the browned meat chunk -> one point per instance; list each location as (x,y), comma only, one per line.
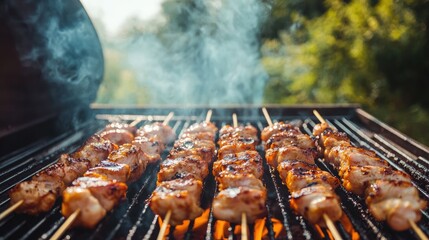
(133,157)
(38,196)
(396,202)
(117,136)
(181,167)
(278,127)
(162,133)
(230,203)
(91,211)
(110,170)
(249,162)
(314,201)
(180,196)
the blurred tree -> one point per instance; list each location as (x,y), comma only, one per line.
(364,51)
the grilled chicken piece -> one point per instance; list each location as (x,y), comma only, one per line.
(356,179)
(397,202)
(243,162)
(278,127)
(183,167)
(344,157)
(234,147)
(353,157)
(110,170)
(107,192)
(65,170)
(133,157)
(320,128)
(276,156)
(91,211)
(95,150)
(163,133)
(299,178)
(240,143)
(234,179)
(287,139)
(286,166)
(151,147)
(229,132)
(38,196)
(247,134)
(187,146)
(200,136)
(181,196)
(330,139)
(117,136)
(230,203)
(201,127)
(119,125)
(314,201)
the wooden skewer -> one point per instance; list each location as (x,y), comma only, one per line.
(168,118)
(11,209)
(243,226)
(234,120)
(74,215)
(319,117)
(164,226)
(267,116)
(418,231)
(414,226)
(331,227)
(328,220)
(209,115)
(243,214)
(65,225)
(136,121)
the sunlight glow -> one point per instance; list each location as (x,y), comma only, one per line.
(113,13)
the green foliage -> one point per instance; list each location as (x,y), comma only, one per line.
(370,52)
(120,85)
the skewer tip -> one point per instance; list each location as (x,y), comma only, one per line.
(65,225)
(234,120)
(418,231)
(136,121)
(11,209)
(164,226)
(209,115)
(243,226)
(267,116)
(331,226)
(168,118)
(318,116)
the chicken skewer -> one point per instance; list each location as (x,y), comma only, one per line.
(181,175)
(389,194)
(243,214)
(296,172)
(238,172)
(40,193)
(86,202)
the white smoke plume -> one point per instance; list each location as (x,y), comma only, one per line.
(207,54)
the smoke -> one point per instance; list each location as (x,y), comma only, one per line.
(56,41)
(61,62)
(207,52)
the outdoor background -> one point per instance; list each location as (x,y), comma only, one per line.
(371,52)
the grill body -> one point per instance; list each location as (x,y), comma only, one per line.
(133,219)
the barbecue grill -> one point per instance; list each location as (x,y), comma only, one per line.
(43,117)
(133,219)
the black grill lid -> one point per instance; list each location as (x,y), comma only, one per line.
(51,64)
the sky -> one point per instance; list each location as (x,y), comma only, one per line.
(114,13)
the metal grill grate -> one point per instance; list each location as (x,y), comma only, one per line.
(133,219)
